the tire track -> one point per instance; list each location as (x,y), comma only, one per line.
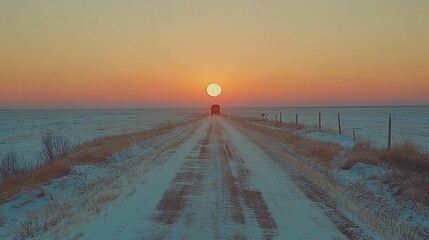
(232,207)
(175,212)
(241,192)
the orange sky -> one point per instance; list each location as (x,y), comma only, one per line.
(164,53)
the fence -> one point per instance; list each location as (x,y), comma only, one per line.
(279,120)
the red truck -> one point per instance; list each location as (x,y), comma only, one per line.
(215,110)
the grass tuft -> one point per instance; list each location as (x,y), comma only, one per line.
(324,152)
(9,165)
(409,179)
(361,152)
(405,157)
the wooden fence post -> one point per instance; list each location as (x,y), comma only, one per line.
(280,117)
(296,119)
(320,122)
(354,135)
(389,136)
(339,124)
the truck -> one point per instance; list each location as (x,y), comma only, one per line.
(215,110)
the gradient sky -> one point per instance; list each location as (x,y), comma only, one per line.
(156,53)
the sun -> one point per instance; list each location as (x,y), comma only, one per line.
(214,89)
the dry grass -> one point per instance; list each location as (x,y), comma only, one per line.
(92,152)
(99,203)
(9,165)
(361,152)
(293,126)
(408,185)
(40,220)
(54,213)
(107,197)
(323,152)
(409,179)
(405,157)
(27,229)
(12,185)
(272,123)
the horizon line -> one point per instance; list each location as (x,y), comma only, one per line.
(200,107)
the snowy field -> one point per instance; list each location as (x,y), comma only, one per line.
(214,178)
(21,130)
(205,180)
(370,123)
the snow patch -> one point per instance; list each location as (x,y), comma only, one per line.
(89,172)
(344,141)
(361,171)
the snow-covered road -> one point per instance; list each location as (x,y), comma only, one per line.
(215,184)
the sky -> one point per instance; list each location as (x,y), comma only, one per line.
(153,53)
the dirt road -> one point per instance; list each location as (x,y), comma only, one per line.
(216,184)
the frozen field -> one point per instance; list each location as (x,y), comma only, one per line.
(21,130)
(213,178)
(204,180)
(370,123)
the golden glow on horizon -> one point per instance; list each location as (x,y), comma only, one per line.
(155,53)
(214,89)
